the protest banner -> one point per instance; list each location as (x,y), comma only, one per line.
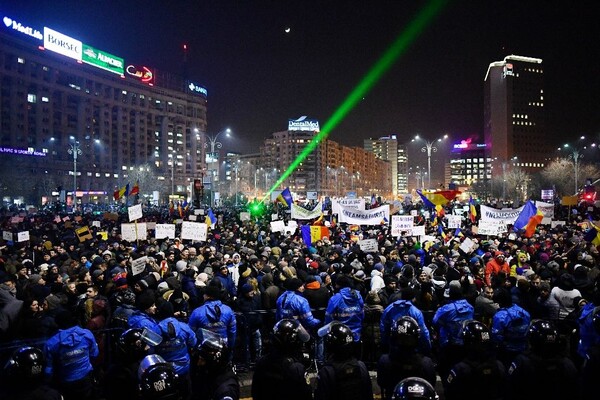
(401,223)
(368,245)
(374,216)
(135,212)
(194,231)
(506,216)
(163,231)
(301,213)
(357,204)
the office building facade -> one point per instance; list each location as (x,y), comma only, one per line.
(387,148)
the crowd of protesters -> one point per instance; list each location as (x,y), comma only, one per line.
(244,278)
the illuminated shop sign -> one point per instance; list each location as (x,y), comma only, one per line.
(197,89)
(62,44)
(24,152)
(141,73)
(24,29)
(467,145)
(303,124)
(103,60)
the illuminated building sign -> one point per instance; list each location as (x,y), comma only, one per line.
(197,89)
(103,60)
(24,29)
(142,73)
(23,152)
(62,44)
(467,145)
(303,124)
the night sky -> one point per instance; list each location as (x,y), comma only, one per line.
(258,76)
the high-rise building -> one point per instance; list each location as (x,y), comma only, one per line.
(470,166)
(74,115)
(514,112)
(387,148)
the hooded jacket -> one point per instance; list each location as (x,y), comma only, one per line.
(68,354)
(215,317)
(397,310)
(347,307)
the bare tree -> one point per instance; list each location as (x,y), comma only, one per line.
(561,174)
(517,181)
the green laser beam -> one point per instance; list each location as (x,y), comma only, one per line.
(404,40)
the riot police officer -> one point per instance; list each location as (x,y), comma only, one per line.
(591,363)
(121,374)
(157,379)
(479,372)
(23,377)
(343,377)
(545,363)
(281,373)
(214,316)
(404,359)
(214,378)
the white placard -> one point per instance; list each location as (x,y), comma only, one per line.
(418,230)
(358,204)
(368,245)
(402,223)
(374,216)
(135,212)
(291,227)
(311,195)
(467,245)
(547,209)
(244,216)
(193,218)
(96,223)
(277,226)
(493,228)
(6,235)
(199,211)
(506,215)
(23,236)
(274,217)
(163,231)
(546,221)
(131,232)
(454,221)
(151,225)
(554,224)
(194,231)
(302,213)
(138,265)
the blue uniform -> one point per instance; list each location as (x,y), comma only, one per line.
(141,320)
(347,307)
(397,310)
(68,354)
(448,320)
(588,337)
(217,318)
(176,350)
(509,328)
(291,305)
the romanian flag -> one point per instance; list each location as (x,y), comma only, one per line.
(313,233)
(285,197)
(529,218)
(472,210)
(426,202)
(135,189)
(123,192)
(458,233)
(171,207)
(441,232)
(183,207)
(440,197)
(373,200)
(210,220)
(592,235)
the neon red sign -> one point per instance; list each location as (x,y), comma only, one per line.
(142,73)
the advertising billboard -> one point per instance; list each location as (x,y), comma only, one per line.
(141,73)
(17,26)
(62,44)
(303,124)
(103,60)
(197,89)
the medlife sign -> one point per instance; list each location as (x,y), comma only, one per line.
(303,124)
(24,29)
(103,60)
(62,44)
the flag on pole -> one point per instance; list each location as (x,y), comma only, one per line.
(210,219)
(285,197)
(529,218)
(472,210)
(440,197)
(426,202)
(122,192)
(135,190)
(592,235)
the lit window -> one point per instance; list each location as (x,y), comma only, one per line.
(45,99)
(124,91)
(97,174)
(115,175)
(107,175)
(21,60)
(31,98)
(124,168)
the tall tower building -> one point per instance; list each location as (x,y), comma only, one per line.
(387,148)
(514,113)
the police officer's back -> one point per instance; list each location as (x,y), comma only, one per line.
(403,359)
(281,374)
(545,364)
(342,377)
(214,378)
(479,373)
(591,362)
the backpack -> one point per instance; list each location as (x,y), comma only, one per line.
(348,380)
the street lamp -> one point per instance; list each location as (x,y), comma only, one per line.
(75,150)
(255,181)
(576,156)
(429,147)
(213,139)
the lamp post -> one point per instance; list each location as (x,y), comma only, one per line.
(576,155)
(255,181)
(172,157)
(213,142)
(429,147)
(75,150)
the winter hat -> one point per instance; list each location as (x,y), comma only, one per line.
(163,287)
(201,279)
(293,284)
(247,288)
(165,310)
(34,278)
(53,301)
(181,265)
(213,291)
(360,274)
(145,301)
(378,267)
